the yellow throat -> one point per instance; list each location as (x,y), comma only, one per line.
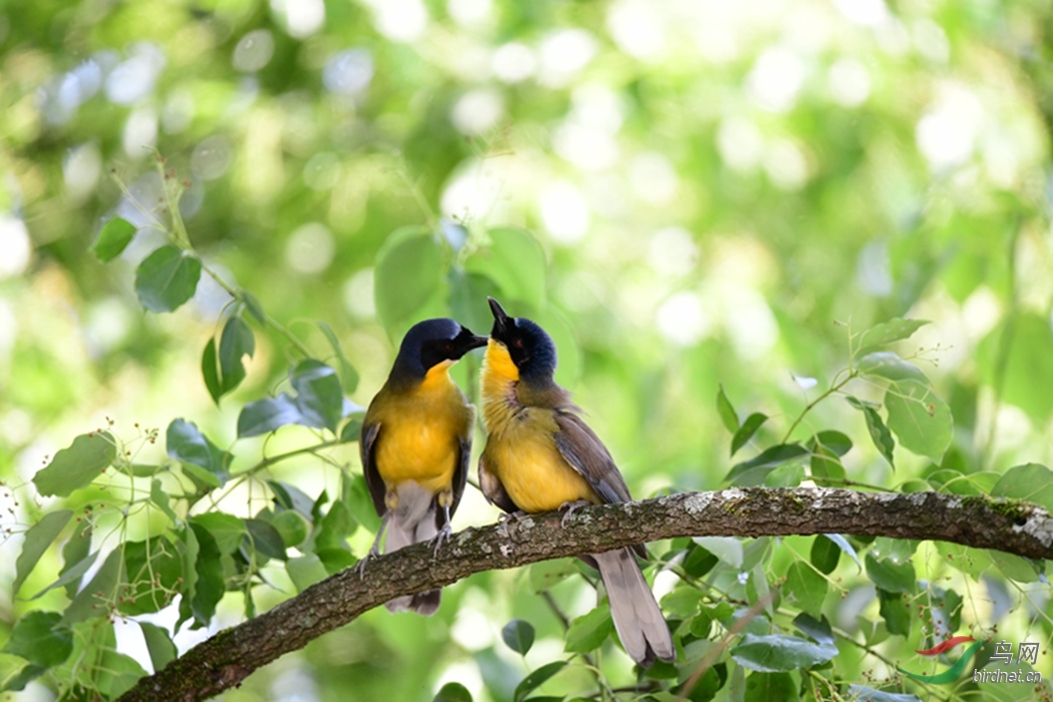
(500,376)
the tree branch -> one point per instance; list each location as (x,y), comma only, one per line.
(227,658)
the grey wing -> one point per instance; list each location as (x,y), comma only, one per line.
(493,490)
(367,447)
(583,450)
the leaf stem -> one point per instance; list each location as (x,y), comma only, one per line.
(278,458)
(830,391)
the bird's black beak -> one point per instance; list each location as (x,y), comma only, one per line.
(466,341)
(501,319)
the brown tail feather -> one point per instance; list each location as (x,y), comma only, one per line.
(637,618)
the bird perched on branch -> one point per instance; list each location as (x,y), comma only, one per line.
(416,442)
(541,456)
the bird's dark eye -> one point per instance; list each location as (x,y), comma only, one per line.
(447,347)
(517,342)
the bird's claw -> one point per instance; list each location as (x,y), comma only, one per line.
(507,518)
(571,507)
(444,535)
(362,563)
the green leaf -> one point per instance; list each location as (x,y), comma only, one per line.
(682,602)
(320,398)
(1031,482)
(336,559)
(37,540)
(159,644)
(547,574)
(453,692)
(235,342)
(589,631)
(291,497)
(210,371)
(888,365)
(817,629)
(862,693)
(40,639)
(189,550)
(726,548)
(100,594)
(1016,568)
(898,551)
(152,569)
(770,687)
(70,576)
(23,677)
(895,329)
(779,653)
(879,433)
(787,475)
(825,467)
(895,610)
(699,561)
(833,441)
(160,498)
(187,444)
(920,419)
(305,571)
(167,278)
(264,539)
(807,587)
(754,471)
(409,269)
(536,679)
(518,635)
(292,526)
(359,503)
(468,293)
(843,544)
(336,526)
(348,374)
(747,430)
(515,261)
(352,429)
(226,530)
(113,238)
(266,415)
(253,306)
(1017,357)
(117,673)
(890,576)
(75,467)
(825,554)
(210,586)
(727,413)
(74,552)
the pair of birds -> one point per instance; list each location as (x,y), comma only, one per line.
(540,456)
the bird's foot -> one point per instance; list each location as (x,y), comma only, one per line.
(373,553)
(444,535)
(571,507)
(507,518)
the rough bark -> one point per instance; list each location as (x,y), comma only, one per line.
(224,660)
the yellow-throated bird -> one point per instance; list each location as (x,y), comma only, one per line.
(541,456)
(416,442)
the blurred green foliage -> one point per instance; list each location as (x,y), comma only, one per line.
(692,197)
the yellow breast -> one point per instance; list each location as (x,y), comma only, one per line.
(521,448)
(421,431)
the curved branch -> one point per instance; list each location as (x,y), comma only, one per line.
(227,658)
